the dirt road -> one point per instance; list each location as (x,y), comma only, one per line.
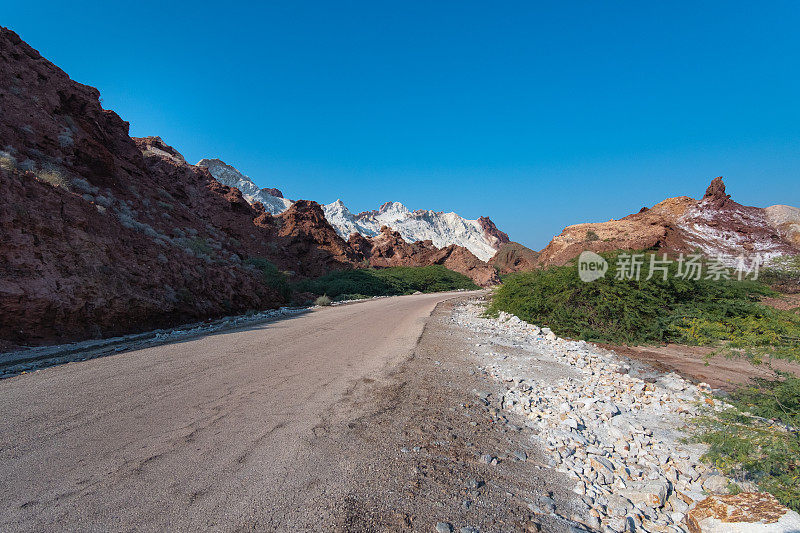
(351,418)
(212,432)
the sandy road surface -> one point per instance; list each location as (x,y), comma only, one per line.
(216,432)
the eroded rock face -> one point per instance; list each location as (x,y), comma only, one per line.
(100,235)
(786,220)
(715,195)
(746,512)
(494,236)
(312,247)
(716,225)
(388,249)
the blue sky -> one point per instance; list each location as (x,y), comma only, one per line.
(539,115)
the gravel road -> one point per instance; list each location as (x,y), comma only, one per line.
(346,418)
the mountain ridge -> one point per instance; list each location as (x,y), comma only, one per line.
(480,236)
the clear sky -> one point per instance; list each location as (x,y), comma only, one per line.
(537,114)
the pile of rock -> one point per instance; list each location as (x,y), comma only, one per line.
(616,435)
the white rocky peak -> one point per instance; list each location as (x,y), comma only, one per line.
(443,229)
(228,175)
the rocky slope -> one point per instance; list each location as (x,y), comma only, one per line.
(715,225)
(614,427)
(102,234)
(514,257)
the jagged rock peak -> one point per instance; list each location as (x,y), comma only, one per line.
(715,196)
(716,189)
(716,226)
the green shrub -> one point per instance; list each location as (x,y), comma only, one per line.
(386,282)
(323,301)
(652,311)
(199,245)
(592,236)
(758,438)
(336,284)
(272,276)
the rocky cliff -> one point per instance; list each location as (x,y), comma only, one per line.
(102,235)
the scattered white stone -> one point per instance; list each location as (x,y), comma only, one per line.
(617,436)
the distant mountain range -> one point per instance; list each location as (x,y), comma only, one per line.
(481,236)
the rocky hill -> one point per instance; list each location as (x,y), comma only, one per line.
(102,234)
(388,249)
(514,257)
(715,225)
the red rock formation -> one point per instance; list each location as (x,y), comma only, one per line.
(715,196)
(97,237)
(101,234)
(312,244)
(388,249)
(715,225)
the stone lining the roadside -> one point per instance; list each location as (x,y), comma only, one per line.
(616,435)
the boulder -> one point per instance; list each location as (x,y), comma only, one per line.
(751,512)
(716,484)
(650,493)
